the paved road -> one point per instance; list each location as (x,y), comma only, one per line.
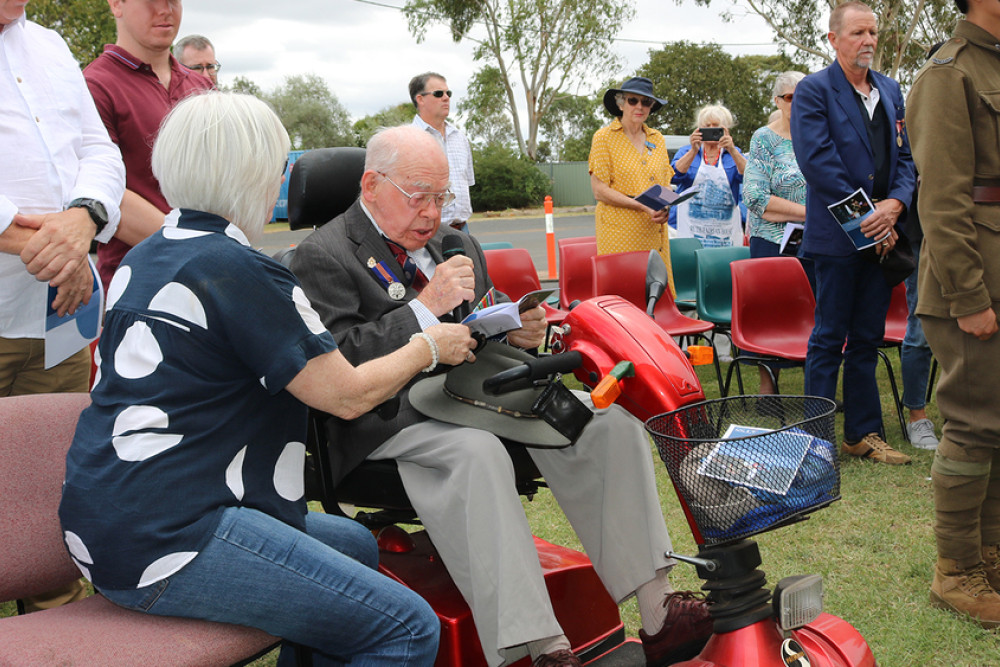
(522,232)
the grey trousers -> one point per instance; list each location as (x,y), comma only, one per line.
(461,482)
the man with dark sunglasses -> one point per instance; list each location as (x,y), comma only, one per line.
(430,95)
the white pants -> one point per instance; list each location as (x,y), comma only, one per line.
(461,483)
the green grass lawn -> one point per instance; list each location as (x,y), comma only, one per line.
(874,549)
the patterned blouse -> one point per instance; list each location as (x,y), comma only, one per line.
(189,412)
(616,163)
(771,170)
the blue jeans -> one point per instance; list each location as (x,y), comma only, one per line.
(915,355)
(852,299)
(319,589)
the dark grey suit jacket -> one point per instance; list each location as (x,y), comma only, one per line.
(332,265)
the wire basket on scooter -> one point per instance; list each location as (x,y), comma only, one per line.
(746,464)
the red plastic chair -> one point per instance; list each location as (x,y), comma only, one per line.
(895,319)
(895,331)
(36,432)
(773,312)
(624,274)
(577,239)
(575,272)
(513,272)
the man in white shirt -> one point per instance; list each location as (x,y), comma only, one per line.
(61,181)
(430,95)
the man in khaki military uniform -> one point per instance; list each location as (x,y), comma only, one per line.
(953,114)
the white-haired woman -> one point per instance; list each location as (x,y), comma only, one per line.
(715,168)
(184,483)
(774,189)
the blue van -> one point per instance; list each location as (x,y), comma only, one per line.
(281,207)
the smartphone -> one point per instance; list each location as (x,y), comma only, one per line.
(711,133)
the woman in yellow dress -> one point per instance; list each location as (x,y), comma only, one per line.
(626,158)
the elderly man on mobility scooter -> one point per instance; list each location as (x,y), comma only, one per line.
(377,276)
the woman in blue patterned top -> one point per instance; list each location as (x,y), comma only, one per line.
(184,483)
(774,189)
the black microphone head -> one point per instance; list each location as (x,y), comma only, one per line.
(452,245)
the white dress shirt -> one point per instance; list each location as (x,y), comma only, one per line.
(53,149)
(459,153)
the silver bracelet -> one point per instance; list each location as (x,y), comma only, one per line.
(432,344)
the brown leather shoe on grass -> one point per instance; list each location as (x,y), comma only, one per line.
(684,632)
(965,592)
(874,448)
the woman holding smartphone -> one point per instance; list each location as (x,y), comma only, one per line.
(714,166)
(626,158)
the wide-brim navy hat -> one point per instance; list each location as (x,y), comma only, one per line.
(639,85)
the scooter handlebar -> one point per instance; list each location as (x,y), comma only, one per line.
(523,375)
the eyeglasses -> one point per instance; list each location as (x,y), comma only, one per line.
(644,101)
(436,93)
(787,97)
(420,199)
(284,170)
(211,67)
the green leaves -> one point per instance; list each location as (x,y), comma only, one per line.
(533,52)
(690,76)
(312,114)
(86,25)
(907,29)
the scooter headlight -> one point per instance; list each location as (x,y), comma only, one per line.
(798,600)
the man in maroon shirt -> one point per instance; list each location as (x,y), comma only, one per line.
(135,82)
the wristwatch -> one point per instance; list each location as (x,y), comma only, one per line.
(96,209)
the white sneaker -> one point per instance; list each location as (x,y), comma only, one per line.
(921,434)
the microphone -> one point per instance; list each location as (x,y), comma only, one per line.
(452,245)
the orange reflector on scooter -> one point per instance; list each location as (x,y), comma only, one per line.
(606,392)
(609,388)
(700,355)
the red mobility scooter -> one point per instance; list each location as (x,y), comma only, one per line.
(658,385)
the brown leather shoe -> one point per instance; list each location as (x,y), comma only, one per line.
(874,448)
(685,630)
(561,658)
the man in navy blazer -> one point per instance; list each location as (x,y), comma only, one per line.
(848,133)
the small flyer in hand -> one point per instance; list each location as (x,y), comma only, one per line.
(505,316)
(791,241)
(769,462)
(658,197)
(850,213)
(67,335)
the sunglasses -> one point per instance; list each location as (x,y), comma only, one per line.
(437,93)
(787,97)
(644,101)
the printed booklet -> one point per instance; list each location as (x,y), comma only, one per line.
(791,240)
(768,462)
(850,212)
(658,197)
(502,317)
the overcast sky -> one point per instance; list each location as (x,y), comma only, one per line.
(367,56)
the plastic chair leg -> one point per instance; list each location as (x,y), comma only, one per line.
(932,379)
(895,392)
